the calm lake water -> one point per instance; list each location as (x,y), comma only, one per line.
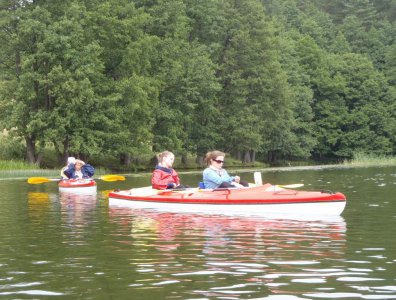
(67,246)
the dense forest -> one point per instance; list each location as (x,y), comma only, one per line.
(260,79)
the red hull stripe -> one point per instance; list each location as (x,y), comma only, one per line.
(76,183)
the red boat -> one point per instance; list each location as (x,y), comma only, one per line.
(259,200)
(81,186)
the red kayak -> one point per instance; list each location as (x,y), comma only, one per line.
(259,200)
(78,185)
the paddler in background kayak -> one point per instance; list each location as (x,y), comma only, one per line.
(77,169)
(164,176)
(214,176)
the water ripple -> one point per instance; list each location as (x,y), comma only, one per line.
(32,292)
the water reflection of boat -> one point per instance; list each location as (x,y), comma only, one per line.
(76,207)
(226,256)
(167,231)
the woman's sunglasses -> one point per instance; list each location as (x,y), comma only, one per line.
(218,161)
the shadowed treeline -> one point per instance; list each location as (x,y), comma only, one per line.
(117,81)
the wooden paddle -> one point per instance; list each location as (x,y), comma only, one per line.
(111,177)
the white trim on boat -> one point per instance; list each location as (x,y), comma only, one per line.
(317,209)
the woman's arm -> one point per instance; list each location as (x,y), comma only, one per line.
(175,177)
(88,170)
(161,182)
(69,171)
(226,177)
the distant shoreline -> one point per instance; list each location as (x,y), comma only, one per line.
(21,173)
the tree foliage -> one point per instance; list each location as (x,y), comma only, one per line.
(259,79)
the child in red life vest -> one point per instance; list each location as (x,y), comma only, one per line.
(164,177)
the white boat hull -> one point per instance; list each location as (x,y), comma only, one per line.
(317,209)
(90,190)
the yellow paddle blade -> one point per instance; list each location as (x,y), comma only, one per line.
(38,180)
(291,186)
(112,177)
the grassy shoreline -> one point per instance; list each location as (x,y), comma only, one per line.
(370,160)
(19,169)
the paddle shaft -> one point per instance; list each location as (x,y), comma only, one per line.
(39,180)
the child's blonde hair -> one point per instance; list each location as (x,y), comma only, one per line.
(164,154)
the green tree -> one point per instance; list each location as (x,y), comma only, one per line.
(170,25)
(254,87)
(131,87)
(303,139)
(352,109)
(390,62)
(367,95)
(364,10)
(185,115)
(53,90)
(386,9)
